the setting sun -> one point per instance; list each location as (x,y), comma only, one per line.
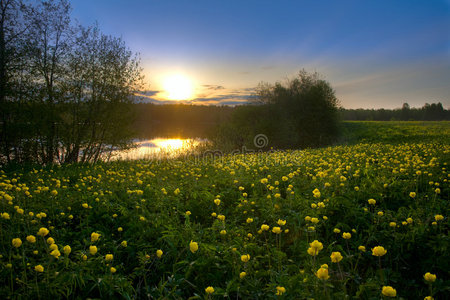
(178,87)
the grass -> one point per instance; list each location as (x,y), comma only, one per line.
(395,132)
(253,217)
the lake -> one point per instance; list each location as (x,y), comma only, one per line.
(158,148)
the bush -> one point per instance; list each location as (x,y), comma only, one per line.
(301,113)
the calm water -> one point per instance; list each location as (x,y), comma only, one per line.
(157,148)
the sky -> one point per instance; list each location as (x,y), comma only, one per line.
(375,54)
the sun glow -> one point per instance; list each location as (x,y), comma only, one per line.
(178,87)
(169,144)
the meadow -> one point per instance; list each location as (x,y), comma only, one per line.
(364,220)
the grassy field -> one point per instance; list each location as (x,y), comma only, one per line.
(395,132)
(368,220)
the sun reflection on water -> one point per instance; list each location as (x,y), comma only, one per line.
(156,148)
(169,144)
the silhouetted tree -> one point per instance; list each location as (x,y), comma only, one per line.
(302,112)
(429,112)
(14,22)
(72,91)
(405,112)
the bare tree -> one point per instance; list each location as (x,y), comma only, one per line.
(13,26)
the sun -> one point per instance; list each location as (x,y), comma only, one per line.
(177,87)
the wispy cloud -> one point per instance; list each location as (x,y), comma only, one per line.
(207,94)
(213,87)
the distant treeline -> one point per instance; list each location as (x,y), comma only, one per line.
(183,120)
(429,112)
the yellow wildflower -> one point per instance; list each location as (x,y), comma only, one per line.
(31,239)
(312,251)
(276,230)
(347,235)
(245,257)
(388,291)
(280,290)
(43,231)
(109,257)
(264,227)
(378,251)
(39,268)
(429,277)
(67,249)
(336,257)
(17,242)
(95,236)
(316,245)
(322,273)
(281,222)
(159,253)
(93,249)
(439,217)
(55,253)
(209,290)
(193,246)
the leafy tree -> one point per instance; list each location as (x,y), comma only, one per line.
(68,97)
(302,112)
(103,76)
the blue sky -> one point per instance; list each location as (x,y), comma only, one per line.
(374,53)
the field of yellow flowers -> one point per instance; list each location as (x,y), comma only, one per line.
(367,221)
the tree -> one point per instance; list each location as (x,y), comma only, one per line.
(66,90)
(103,77)
(405,113)
(301,112)
(14,22)
(308,108)
(49,43)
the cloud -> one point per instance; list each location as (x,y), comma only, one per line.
(214,95)
(148,93)
(213,87)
